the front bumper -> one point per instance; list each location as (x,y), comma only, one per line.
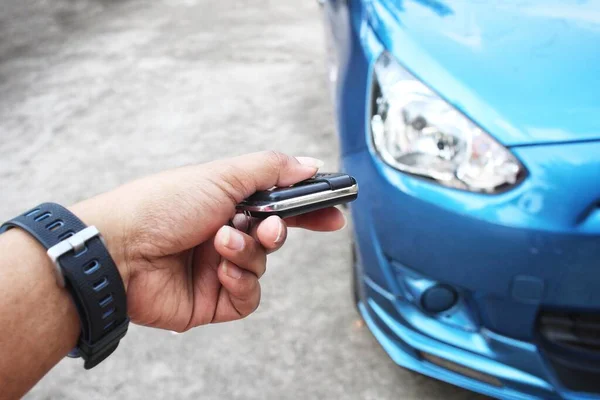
(509,256)
(407,347)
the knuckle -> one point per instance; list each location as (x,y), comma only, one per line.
(246,288)
(181,328)
(277,160)
(251,304)
(230,182)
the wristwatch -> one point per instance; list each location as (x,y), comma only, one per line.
(85,268)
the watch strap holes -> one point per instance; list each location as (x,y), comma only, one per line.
(101,284)
(43,216)
(32,212)
(66,235)
(55,225)
(109,325)
(109,312)
(91,267)
(106,300)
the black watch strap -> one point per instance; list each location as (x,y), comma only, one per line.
(86,269)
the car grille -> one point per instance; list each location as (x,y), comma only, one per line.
(579,331)
(571,342)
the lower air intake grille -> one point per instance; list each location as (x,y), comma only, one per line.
(571,341)
(575,330)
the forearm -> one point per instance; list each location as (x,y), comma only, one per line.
(38,320)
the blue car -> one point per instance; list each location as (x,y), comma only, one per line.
(473,129)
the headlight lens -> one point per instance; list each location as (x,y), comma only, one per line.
(416,131)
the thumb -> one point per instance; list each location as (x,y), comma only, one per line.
(241,176)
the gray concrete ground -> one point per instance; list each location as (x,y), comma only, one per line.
(96,92)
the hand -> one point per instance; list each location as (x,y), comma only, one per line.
(182,267)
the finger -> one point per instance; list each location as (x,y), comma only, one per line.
(270,233)
(241,176)
(324,220)
(241,249)
(239,295)
(241,222)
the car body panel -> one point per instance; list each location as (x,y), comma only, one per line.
(509,255)
(486,271)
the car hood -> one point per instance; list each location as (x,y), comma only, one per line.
(527,72)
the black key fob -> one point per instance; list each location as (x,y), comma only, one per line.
(322,191)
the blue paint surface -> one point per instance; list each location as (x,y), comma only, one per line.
(529,75)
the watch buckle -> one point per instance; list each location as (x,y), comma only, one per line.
(75,243)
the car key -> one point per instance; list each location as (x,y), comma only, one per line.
(321,191)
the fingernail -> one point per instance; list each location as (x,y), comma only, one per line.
(310,162)
(280,229)
(231,270)
(345,221)
(232,239)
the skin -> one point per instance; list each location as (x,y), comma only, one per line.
(181,265)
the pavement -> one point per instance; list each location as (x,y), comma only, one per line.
(94,93)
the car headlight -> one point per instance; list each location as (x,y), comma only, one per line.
(416,131)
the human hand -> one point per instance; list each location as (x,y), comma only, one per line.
(181,265)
